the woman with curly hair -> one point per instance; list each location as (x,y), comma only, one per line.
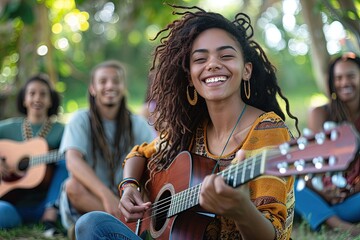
(215,93)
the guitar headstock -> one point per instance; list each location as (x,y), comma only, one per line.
(328,151)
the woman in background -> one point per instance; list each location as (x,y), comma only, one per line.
(39,102)
(338,207)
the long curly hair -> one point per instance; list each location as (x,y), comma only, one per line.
(338,111)
(176,119)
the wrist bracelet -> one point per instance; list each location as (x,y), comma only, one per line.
(128,181)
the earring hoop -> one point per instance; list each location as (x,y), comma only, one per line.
(333,96)
(192,101)
(247,89)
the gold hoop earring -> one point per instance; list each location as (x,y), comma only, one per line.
(247,89)
(333,96)
(194,100)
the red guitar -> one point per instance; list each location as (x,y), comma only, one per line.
(27,162)
(175,212)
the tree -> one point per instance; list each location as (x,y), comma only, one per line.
(66,38)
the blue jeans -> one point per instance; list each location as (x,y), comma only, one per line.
(315,210)
(13,216)
(101,225)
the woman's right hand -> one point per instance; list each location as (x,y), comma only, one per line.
(131,205)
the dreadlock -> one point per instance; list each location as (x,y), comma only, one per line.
(338,110)
(123,140)
(176,119)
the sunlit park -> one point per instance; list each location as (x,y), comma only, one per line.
(66,38)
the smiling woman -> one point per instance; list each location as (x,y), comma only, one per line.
(216,103)
(336,205)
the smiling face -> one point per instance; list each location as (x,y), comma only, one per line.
(347,81)
(217,65)
(108,86)
(37,99)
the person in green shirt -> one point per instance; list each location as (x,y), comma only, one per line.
(39,103)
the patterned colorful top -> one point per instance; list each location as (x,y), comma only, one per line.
(273,196)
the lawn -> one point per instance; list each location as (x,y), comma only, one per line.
(300,232)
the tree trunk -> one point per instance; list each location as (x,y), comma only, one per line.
(45,37)
(320,56)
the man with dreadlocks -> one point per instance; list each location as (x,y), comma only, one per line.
(95,143)
(216,99)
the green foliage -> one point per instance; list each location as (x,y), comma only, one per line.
(19,9)
(79,34)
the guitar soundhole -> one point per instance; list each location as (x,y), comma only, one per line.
(24,164)
(161,210)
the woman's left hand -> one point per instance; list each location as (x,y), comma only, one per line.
(219,198)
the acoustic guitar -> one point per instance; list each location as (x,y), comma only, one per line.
(175,212)
(28,164)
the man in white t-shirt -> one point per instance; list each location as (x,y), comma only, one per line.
(95,143)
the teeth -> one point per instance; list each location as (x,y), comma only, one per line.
(111,94)
(215,79)
(346,90)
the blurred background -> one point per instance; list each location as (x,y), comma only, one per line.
(66,38)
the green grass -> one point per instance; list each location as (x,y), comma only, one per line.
(27,232)
(301,231)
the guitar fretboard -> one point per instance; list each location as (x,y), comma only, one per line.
(50,157)
(235,175)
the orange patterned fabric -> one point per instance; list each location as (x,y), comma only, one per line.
(273,196)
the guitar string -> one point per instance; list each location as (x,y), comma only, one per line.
(271,152)
(161,207)
(163,204)
(162,212)
(219,158)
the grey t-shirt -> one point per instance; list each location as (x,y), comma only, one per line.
(77,135)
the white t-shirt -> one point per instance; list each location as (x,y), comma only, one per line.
(77,135)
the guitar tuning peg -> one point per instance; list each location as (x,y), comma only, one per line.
(317,183)
(282,167)
(300,184)
(339,180)
(334,135)
(299,165)
(302,142)
(307,132)
(318,162)
(329,125)
(332,160)
(284,148)
(320,138)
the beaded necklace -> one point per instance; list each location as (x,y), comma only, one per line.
(27,131)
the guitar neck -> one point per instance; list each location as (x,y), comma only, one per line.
(235,175)
(50,157)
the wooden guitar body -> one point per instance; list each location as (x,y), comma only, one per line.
(17,156)
(184,172)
